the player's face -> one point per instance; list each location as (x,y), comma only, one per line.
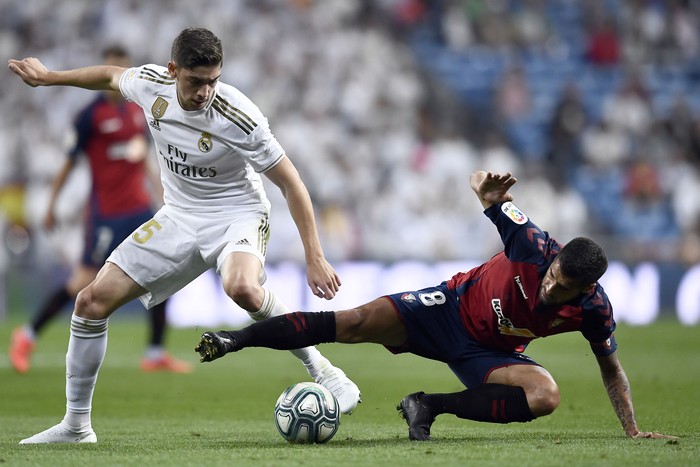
(195,86)
(557,289)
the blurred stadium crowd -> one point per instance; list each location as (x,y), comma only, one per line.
(386,107)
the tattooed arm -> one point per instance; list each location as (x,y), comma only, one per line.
(618,387)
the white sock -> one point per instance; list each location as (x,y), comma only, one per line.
(272,306)
(86,351)
(29,332)
(154,352)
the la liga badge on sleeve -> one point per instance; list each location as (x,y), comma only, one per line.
(515,214)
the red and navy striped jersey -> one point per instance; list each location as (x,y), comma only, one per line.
(104,130)
(499,303)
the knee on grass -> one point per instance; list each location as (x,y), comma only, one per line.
(543,400)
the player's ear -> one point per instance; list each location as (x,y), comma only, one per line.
(172,69)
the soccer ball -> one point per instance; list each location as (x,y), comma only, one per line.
(307,413)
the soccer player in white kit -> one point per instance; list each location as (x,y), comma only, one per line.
(212,144)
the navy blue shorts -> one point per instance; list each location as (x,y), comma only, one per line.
(104,234)
(435,331)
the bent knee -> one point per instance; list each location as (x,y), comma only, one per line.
(543,400)
(88,306)
(247,295)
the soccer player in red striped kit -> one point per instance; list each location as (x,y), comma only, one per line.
(479,323)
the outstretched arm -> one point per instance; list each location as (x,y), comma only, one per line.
(492,188)
(34,73)
(618,387)
(321,276)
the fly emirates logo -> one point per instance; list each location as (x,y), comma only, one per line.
(505,325)
(176,161)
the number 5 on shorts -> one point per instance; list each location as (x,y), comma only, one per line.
(146,231)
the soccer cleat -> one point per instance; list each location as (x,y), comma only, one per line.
(61,434)
(165,363)
(418,416)
(21,348)
(334,379)
(214,345)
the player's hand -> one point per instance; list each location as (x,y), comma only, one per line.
(649,434)
(322,278)
(31,70)
(49,220)
(136,149)
(492,188)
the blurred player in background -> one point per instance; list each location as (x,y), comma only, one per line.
(112,134)
(479,323)
(212,144)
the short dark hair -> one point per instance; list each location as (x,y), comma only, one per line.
(115,51)
(195,47)
(583,260)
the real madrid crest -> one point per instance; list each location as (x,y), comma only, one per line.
(158,108)
(205,143)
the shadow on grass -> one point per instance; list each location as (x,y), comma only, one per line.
(446,440)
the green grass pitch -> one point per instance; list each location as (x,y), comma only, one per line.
(222,413)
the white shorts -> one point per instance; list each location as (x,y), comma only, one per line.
(175,247)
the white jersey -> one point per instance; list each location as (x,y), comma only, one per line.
(210,159)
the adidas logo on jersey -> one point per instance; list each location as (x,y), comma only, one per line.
(154,124)
(243,242)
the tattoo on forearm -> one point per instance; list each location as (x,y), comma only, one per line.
(621,399)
